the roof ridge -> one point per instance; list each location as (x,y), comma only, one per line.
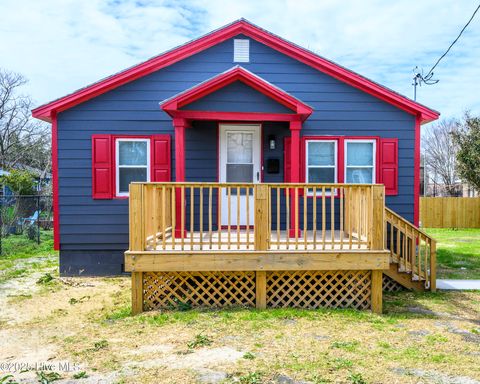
(216,36)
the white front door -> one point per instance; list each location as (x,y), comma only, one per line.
(239,163)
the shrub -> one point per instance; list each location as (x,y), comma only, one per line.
(32,231)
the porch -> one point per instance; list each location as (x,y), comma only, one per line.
(296,244)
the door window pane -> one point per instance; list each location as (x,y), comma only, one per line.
(128,175)
(240,147)
(359,175)
(359,154)
(321,153)
(132,153)
(239,173)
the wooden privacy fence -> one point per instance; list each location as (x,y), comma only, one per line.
(450,212)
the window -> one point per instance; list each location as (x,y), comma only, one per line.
(321,165)
(132,163)
(360,161)
(241,51)
(239,157)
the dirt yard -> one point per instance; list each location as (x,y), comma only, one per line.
(80,330)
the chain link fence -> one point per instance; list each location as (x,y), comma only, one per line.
(25,215)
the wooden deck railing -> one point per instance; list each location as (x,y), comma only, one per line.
(323,216)
(411,248)
(185,216)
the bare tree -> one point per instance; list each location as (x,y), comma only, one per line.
(21,138)
(440,153)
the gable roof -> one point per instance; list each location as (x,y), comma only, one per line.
(237,73)
(248,29)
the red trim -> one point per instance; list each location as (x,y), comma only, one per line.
(172,105)
(416,174)
(218,170)
(56,208)
(262,160)
(156,167)
(103,167)
(235,116)
(45,112)
(295,150)
(388,169)
(180,125)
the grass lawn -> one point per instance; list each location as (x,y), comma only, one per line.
(458,253)
(427,338)
(86,322)
(21,256)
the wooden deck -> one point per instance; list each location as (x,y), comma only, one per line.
(295,245)
(241,240)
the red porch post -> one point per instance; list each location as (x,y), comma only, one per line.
(295,127)
(179,124)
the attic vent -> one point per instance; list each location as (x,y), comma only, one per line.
(241,50)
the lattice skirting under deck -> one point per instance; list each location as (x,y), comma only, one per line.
(198,289)
(390,285)
(303,289)
(315,289)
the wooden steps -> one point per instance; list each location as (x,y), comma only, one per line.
(412,254)
(406,279)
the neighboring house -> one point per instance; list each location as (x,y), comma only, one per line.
(4,189)
(238,104)
(42,179)
(429,187)
(433,189)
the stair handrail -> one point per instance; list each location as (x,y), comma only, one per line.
(406,242)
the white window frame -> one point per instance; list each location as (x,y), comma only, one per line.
(335,166)
(374,158)
(118,166)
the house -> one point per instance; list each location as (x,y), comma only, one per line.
(311,148)
(42,178)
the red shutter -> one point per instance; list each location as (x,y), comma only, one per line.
(287,164)
(389,165)
(102,185)
(161,169)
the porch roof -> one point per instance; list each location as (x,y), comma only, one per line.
(173,104)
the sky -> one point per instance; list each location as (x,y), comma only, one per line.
(63,45)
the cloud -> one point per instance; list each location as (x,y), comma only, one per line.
(62,45)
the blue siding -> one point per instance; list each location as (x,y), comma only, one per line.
(237,97)
(94,226)
(201,142)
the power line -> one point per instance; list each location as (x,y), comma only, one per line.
(454,41)
(420,78)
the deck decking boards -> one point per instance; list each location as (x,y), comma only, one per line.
(243,240)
